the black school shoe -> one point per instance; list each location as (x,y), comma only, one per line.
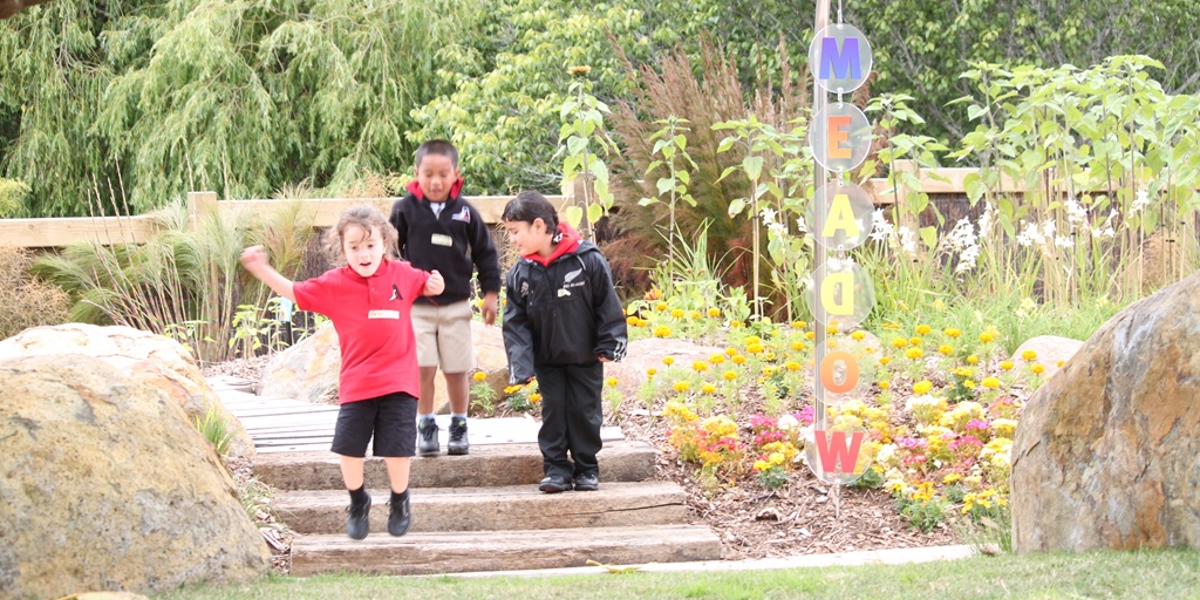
(400,516)
(458,444)
(554,484)
(358,523)
(428,444)
(587,482)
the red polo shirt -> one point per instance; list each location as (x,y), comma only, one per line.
(372,318)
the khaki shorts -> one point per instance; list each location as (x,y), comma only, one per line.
(444,336)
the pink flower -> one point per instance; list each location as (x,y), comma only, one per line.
(978,425)
(761,421)
(806,415)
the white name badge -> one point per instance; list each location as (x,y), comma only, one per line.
(441,239)
(383,314)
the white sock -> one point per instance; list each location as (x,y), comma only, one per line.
(462,416)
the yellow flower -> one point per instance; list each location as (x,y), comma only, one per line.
(716,359)
(972,359)
(832,330)
(1006,365)
(661,306)
(708,388)
(913,353)
(730,375)
(798,346)
(736,324)
(899,342)
(791,365)
(579,70)
(1038,369)
(731,351)
(952,332)
(662,331)
(1029,355)
(946,349)
(951,478)
(699,366)
(769,370)
(752,339)
(810,335)
(799,324)
(714,312)
(923,329)
(858,336)
(668,360)
(916,341)
(969,384)
(739,359)
(990,383)
(769,356)
(512,389)
(883,360)
(1059,364)
(986,337)
(695,314)
(682,386)
(922,387)
(479,376)
(883,385)
(535,398)
(611,381)
(754,348)
(651,372)
(631,321)
(676,313)
(938,304)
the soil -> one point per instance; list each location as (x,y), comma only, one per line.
(805,516)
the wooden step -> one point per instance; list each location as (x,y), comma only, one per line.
(498,508)
(462,552)
(486,466)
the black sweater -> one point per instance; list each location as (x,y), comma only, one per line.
(455,243)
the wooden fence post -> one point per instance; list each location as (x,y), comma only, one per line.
(200,205)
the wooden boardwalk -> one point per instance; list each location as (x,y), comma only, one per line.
(289,425)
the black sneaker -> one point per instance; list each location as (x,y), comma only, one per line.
(458,444)
(400,516)
(587,482)
(428,432)
(358,523)
(554,484)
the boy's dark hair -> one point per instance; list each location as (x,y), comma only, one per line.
(439,147)
(530,205)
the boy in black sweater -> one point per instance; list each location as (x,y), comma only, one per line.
(438,229)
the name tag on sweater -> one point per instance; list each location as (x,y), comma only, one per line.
(383,314)
(441,239)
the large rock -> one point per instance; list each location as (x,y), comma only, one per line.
(309,370)
(1107,453)
(648,353)
(1050,350)
(158,360)
(106,485)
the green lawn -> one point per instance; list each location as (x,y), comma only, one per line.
(1146,574)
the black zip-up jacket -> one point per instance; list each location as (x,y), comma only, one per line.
(455,243)
(563,313)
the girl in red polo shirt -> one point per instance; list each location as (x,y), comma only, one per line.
(368,300)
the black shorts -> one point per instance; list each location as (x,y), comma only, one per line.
(390,419)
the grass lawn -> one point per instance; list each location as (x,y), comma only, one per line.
(1145,574)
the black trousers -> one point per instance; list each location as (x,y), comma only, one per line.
(571,417)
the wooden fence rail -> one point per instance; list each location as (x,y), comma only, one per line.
(50,233)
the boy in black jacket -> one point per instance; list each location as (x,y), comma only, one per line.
(562,320)
(439,230)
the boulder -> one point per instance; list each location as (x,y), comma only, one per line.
(1050,349)
(309,370)
(157,359)
(1107,453)
(645,354)
(106,485)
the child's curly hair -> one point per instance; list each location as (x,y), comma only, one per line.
(366,217)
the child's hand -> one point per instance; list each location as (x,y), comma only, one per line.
(603,359)
(254,258)
(435,284)
(489,308)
